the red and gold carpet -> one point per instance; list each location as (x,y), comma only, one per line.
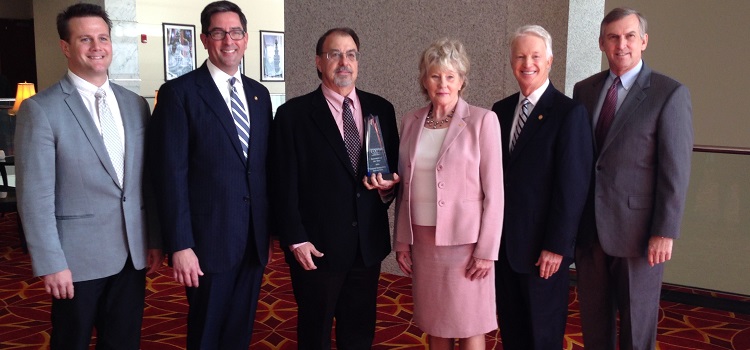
(24,312)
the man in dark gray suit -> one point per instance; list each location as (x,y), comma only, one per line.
(643,139)
(79,154)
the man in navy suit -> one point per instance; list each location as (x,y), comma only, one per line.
(208,151)
(333,227)
(547,161)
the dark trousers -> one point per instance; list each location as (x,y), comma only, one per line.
(532,311)
(348,296)
(222,308)
(114,305)
(607,284)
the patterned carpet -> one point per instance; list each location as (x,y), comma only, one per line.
(24,312)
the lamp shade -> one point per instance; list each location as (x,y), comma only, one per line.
(25,90)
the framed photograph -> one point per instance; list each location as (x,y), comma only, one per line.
(271,56)
(179,49)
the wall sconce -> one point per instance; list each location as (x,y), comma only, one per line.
(25,90)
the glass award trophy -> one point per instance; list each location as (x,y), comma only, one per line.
(377,162)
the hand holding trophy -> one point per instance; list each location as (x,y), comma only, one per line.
(379,176)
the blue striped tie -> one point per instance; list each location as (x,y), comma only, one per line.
(241,121)
(522,117)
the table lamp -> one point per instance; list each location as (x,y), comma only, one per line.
(25,90)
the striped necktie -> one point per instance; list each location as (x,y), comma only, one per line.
(607,114)
(239,114)
(351,135)
(522,117)
(110,135)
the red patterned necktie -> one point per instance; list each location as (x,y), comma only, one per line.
(607,114)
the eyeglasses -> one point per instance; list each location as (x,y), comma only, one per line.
(218,34)
(337,55)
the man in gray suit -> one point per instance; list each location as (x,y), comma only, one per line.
(79,154)
(643,139)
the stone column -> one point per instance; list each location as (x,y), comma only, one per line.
(583,55)
(124,68)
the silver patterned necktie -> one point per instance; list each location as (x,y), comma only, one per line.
(241,121)
(522,117)
(110,134)
(351,135)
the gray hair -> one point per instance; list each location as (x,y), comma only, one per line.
(620,13)
(537,31)
(444,53)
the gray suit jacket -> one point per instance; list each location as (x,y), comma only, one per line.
(74,212)
(642,170)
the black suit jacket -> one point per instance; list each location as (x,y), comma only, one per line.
(210,197)
(317,197)
(547,177)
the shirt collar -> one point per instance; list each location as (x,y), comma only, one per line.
(536,95)
(84,86)
(337,101)
(220,77)
(628,78)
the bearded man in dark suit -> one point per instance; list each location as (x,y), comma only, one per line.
(333,225)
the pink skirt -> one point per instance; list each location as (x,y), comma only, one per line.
(446,303)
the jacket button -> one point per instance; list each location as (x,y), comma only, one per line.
(124,198)
(441,185)
(354,224)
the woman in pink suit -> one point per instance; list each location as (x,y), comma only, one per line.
(449,209)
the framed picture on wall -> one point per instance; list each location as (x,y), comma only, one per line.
(179,49)
(271,56)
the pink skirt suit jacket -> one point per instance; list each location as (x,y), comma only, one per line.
(469,178)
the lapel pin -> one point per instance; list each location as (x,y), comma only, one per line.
(255,98)
(541,117)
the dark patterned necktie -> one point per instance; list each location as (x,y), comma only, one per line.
(607,115)
(351,135)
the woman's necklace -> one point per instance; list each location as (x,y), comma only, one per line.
(430,122)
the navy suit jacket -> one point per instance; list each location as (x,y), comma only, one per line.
(547,177)
(317,195)
(210,198)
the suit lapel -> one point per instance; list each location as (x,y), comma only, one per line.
(86,122)
(322,117)
(533,123)
(129,115)
(635,96)
(413,132)
(457,125)
(210,94)
(253,109)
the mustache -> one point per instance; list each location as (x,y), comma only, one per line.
(344,70)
